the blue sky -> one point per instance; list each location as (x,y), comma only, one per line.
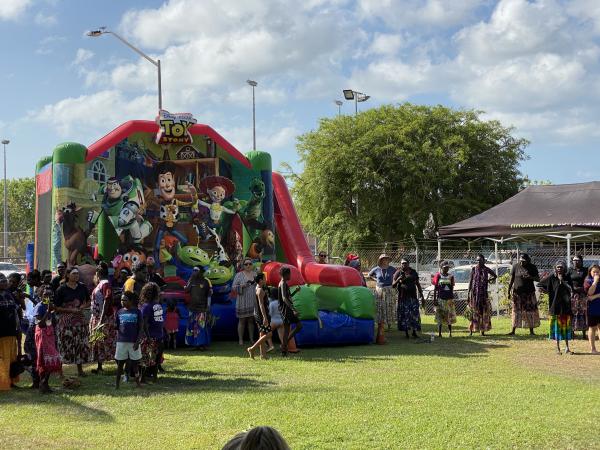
(531,64)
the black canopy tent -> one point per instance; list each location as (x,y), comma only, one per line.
(564,211)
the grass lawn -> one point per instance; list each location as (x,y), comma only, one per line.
(483,392)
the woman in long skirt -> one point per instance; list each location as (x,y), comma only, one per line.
(521,288)
(245,287)
(579,304)
(73,334)
(385,296)
(443,298)
(197,334)
(102,320)
(479,301)
(406,280)
(559,288)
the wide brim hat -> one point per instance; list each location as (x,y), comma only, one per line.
(216,180)
(383,256)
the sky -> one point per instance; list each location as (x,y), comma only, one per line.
(533,65)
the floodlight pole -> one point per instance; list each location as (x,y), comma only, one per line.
(253,84)
(5,142)
(156,63)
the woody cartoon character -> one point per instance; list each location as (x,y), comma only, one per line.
(166,182)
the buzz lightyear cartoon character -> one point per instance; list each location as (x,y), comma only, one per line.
(115,193)
(130,220)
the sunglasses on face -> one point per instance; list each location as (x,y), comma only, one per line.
(247,263)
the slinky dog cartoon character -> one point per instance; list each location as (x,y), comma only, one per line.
(166,181)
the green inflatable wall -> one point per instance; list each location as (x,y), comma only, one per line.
(356,301)
(305,303)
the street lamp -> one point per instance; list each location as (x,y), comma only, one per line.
(349,94)
(102,30)
(253,84)
(339,104)
(5,142)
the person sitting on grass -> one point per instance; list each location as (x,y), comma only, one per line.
(286,307)
(592,284)
(559,288)
(261,316)
(129,323)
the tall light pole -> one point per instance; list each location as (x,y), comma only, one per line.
(5,142)
(339,104)
(253,84)
(102,30)
(350,94)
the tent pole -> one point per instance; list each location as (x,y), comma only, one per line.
(568,250)
(439,255)
(496,284)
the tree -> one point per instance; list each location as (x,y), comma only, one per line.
(379,175)
(21,204)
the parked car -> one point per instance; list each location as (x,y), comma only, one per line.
(461,288)
(7,268)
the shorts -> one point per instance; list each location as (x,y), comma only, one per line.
(125,351)
(593,321)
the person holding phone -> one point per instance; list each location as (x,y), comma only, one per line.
(244,285)
(286,307)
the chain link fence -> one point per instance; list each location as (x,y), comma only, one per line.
(423,257)
(16,244)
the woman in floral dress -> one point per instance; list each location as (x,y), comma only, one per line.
(479,301)
(102,320)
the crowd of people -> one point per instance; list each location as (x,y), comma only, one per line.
(573,298)
(122,318)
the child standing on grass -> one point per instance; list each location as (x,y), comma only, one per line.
(172,325)
(286,307)
(48,360)
(592,285)
(129,323)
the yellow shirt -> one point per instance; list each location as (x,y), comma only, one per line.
(129,285)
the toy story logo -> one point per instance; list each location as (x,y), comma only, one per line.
(174,128)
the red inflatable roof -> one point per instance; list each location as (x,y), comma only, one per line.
(147,126)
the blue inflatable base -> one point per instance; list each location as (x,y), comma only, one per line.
(338,329)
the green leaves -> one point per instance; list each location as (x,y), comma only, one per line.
(368,177)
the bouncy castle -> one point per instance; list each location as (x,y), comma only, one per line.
(179,192)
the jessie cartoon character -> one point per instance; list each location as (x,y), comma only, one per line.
(218,189)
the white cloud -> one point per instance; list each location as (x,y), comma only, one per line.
(12,9)
(45,20)
(48,44)
(90,116)
(386,44)
(418,13)
(82,56)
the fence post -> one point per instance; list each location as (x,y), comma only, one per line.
(439,255)
(497,281)
(568,250)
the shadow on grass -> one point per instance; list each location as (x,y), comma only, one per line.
(57,404)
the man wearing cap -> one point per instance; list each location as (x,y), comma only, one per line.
(406,280)
(383,275)
(578,274)
(136,282)
(60,270)
(521,292)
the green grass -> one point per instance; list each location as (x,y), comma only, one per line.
(483,392)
